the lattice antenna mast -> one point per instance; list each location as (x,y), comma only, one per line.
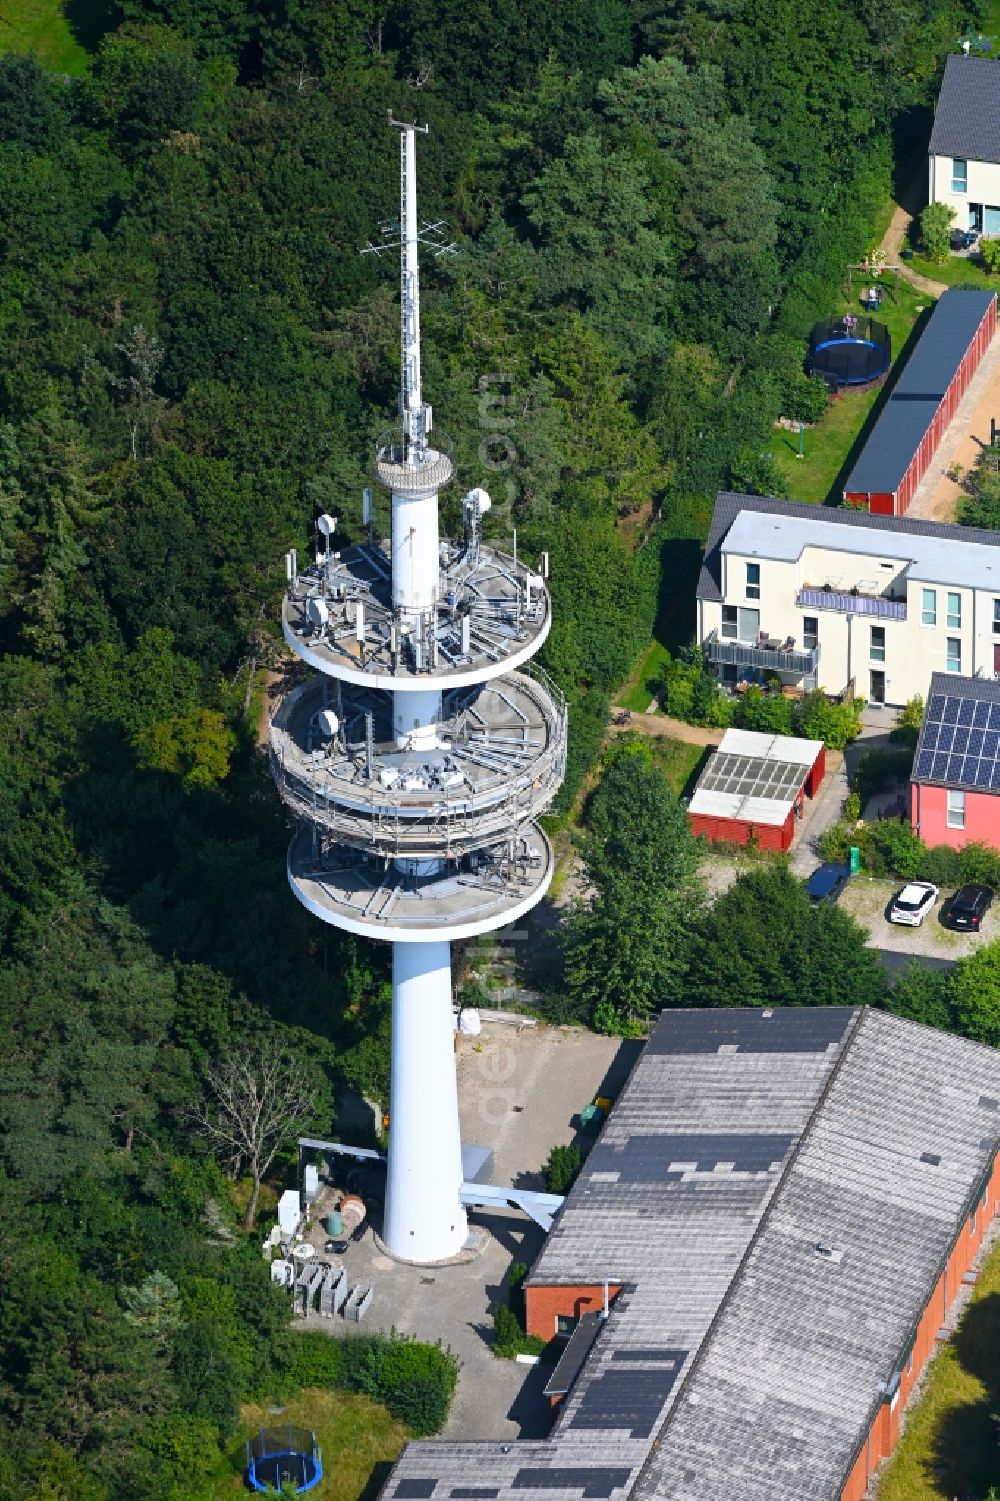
(416,417)
(408,235)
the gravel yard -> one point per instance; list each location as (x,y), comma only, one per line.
(868,901)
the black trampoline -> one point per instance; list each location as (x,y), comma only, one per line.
(282,1456)
(849,351)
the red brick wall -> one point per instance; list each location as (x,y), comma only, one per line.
(542,1304)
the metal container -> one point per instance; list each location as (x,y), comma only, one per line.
(333,1223)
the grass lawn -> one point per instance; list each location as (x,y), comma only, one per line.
(358,1440)
(956,271)
(831,446)
(638,691)
(679,762)
(948,1447)
(43,27)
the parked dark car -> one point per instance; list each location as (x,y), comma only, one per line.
(969,906)
(963,239)
(827,882)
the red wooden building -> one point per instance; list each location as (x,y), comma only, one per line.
(755,787)
(922,402)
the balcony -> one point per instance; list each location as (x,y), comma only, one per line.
(796,663)
(852,602)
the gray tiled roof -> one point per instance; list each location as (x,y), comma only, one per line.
(967,118)
(728,506)
(736,1352)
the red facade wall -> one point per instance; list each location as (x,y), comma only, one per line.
(929,814)
(896,504)
(776,837)
(884,1432)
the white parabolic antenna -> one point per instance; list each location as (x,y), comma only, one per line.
(478,500)
(318,612)
(327,524)
(328,722)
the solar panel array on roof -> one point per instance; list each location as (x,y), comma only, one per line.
(918,392)
(960,743)
(784,1030)
(596,1482)
(666,1159)
(751,777)
(624,1399)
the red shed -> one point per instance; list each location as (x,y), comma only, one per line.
(755,786)
(922,402)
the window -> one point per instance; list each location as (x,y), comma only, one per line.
(730,620)
(996,617)
(956,809)
(909,1360)
(954,612)
(953,659)
(753,581)
(565,1323)
(810,632)
(878,643)
(959,175)
(928,613)
(749,628)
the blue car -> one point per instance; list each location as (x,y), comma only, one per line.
(827,882)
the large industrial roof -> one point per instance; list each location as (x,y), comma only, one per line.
(959,743)
(918,392)
(754,777)
(967,118)
(776,1192)
(782,529)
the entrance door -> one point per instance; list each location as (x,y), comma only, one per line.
(976,217)
(877,692)
(749,624)
(996,659)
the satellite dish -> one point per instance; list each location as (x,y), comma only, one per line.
(328,722)
(327,524)
(317,612)
(478,500)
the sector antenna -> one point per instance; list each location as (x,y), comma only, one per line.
(420,756)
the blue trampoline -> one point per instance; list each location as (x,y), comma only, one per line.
(279,1456)
(849,351)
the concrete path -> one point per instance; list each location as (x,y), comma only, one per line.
(820,813)
(968,434)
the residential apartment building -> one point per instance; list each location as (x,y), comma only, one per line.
(834,598)
(964,150)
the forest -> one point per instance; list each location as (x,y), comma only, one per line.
(652,203)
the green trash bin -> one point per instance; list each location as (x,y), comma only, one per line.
(591,1119)
(333,1223)
(855,859)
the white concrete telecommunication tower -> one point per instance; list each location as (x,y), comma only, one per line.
(420,759)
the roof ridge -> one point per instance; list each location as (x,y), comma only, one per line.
(854,1026)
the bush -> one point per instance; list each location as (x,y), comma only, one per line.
(515,1287)
(942,865)
(768,712)
(316,1360)
(891,848)
(978,862)
(817,718)
(507,1333)
(852,807)
(414,1381)
(935,230)
(561,1168)
(990,252)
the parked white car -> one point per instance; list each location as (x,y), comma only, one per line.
(913,903)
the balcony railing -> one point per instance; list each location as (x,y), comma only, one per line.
(854,604)
(798,663)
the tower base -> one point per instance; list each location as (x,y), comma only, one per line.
(424,1218)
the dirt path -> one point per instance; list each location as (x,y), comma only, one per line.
(892,241)
(673,729)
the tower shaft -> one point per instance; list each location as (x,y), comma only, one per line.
(424,1218)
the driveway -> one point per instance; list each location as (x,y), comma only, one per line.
(867,899)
